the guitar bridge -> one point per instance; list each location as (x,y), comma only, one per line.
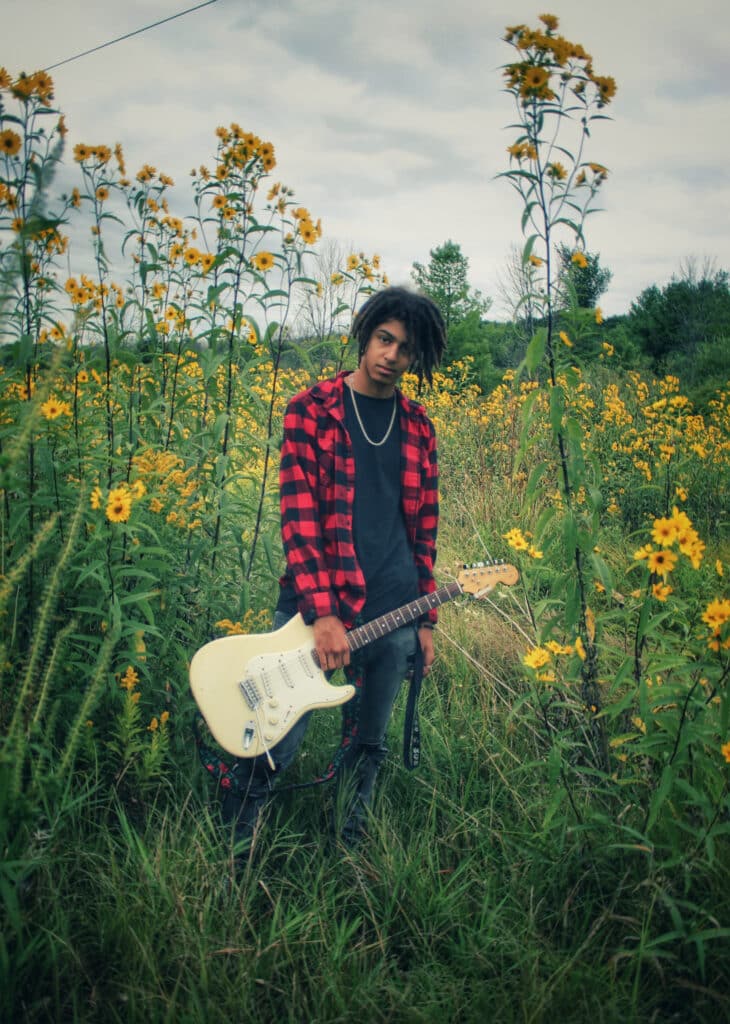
(250,692)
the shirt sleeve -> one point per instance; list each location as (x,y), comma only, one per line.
(300,520)
(428,517)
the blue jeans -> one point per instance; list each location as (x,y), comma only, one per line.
(385,663)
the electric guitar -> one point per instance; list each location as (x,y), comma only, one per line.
(251,689)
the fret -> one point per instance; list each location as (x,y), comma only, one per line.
(365,634)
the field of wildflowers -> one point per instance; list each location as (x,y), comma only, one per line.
(565,849)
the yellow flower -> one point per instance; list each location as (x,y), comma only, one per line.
(52,409)
(661,591)
(565,339)
(639,723)
(207,259)
(129,679)
(535,260)
(536,658)
(308,232)
(662,562)
(599,315)
(164,718)
(719,568)
(119,505)
(81,152)
(535,78)
(664,531)
(152,727)
(102,193)
(725,751)
(717,613)
(516,540)
(549,21)
(579,259)
(263,261)
(9,142)
(95,498)
(580,649)
(191,256)
(557,171)
(353,262)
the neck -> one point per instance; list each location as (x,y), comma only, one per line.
(364,385)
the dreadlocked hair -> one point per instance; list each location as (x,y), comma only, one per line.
(421,318)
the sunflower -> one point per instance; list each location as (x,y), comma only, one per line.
(534,80)
(9,142)
(536,658)
(207,259)
(353,262)
(102,193)
(263,261)
(664,531)
(81,152)
(308,232)
(53,408)
(191,256)
(660,591)
(119,505)
(661,562)
(219,202)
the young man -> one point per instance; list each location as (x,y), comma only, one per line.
(359,514)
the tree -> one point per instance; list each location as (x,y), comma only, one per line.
(689,313)
(583,282)
(445,281)
(462,307)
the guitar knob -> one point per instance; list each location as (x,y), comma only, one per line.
(268,736)
(273,703)
(272,721)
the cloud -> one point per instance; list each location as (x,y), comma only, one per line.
(389,118)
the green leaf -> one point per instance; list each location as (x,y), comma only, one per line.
(660,794)
(536,349)
(557,408)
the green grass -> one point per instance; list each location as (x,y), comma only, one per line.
(462,904)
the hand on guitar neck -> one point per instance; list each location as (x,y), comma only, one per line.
(330,643)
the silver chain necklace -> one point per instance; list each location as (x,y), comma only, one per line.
(386,435)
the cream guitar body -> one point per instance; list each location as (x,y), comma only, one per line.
(251,689)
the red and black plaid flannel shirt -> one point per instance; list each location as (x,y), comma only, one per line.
(317,487)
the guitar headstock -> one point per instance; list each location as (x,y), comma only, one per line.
(484,576)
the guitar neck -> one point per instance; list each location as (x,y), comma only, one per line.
(363,635)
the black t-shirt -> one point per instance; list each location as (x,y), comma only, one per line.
(381,541)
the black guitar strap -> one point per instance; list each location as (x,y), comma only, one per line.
(411,726)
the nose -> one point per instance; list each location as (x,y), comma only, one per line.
(391,352)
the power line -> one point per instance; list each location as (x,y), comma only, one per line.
(129,35)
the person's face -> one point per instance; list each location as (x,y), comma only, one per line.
(387,356)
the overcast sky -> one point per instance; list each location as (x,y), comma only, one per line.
(388,117)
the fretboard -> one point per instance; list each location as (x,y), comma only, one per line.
(363,635)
